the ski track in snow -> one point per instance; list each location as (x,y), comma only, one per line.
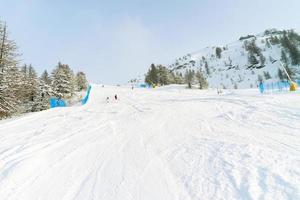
(164,144)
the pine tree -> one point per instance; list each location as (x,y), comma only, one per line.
(203,84)
(42,97)
(262,59)
(280,74)
(30,88)
(267,75)
(81,81)
(235,86)
(292,49)
(252,59)
(268,43)
(290,71)
(152,75)
(284,58)
(189,77)
(207,68)
(163,75)
(46,78)
(63,81)
(274,40)
(8,63)
(218,52)
(32,81)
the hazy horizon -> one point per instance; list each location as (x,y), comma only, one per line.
(116,41)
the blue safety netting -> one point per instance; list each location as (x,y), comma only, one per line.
(144,85)
(86,98)
(54,102)
(275,86)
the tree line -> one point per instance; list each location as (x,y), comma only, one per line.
(22,90)
(161,75)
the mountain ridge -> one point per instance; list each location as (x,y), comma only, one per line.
(246,62)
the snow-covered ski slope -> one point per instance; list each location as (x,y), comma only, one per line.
(162,144)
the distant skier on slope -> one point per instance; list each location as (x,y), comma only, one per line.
(116,97)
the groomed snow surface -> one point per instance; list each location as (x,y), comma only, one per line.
(157,144)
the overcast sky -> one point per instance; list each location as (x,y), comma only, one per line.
(116,40)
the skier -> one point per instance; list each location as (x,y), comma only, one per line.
(116,97)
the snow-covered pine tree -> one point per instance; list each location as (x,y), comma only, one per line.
(42,97)
(81,81)
(43,93)
(8,63)
(152,75)
(203,84)
(15,84)
(33,82)
(29,88)
(63,81)
(46,78)
(189,77)
(163,75)
(174,78)
(23,94)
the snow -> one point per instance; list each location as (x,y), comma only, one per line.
(233,66)
(166,143)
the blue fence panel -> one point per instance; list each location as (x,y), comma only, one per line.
(276,86)
(144,85)
(261,88)
(86,98)
(54,102)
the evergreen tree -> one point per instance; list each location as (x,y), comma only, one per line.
(177,78)
(262,59)
(274,40)
(8,73)
(63,83)
(189,77)
(207,68)
(29,88)
(284,58)
(42,97)
(292,49)
(152,75)
(286,62)
(295,37)
(235,86)
(252,59)
(267,75)
(290,71)
(33,82)
(203,84)
(280,74)
(218,52)
(253,48)
(268,43)
(254,51)
(46,78)
(163,75)
(81,81)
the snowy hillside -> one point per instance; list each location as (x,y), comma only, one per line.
(242,64)
(168,144)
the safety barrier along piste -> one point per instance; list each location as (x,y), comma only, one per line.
(56,102)
(276,86)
